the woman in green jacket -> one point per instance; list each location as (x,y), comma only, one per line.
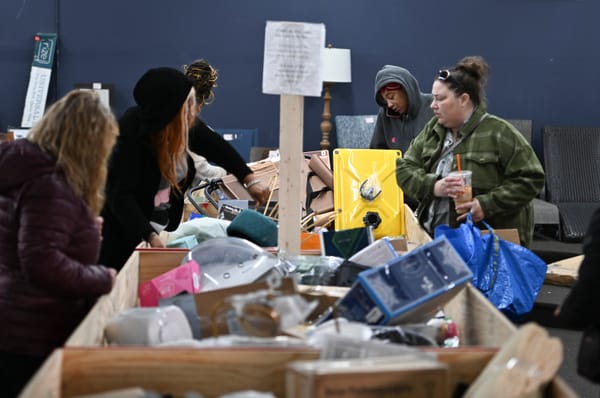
(506,173)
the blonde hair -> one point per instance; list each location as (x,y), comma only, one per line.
(171,144)
(80,132)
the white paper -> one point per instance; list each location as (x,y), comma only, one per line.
(104,94)
(292,59)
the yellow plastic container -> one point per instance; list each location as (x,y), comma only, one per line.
(365,191)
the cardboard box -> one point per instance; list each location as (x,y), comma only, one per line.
(367,378)
(508,234)
(564,272)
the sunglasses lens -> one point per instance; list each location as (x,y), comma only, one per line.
(444,74)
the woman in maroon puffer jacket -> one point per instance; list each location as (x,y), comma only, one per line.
(51,192)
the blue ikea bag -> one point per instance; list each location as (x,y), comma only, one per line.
(509,275)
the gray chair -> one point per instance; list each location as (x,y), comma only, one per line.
(544,212)
(571,157)
(354,131)
(525,127)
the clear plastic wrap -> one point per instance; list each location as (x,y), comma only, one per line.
(230,261)
(313,270)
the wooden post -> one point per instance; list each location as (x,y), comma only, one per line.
(291,126)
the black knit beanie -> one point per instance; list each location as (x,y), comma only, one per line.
(160,93)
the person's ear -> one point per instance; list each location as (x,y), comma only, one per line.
(464,99)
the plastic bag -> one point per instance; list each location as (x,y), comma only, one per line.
(509,275)
(229,261)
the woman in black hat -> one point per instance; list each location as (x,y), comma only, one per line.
(148,165)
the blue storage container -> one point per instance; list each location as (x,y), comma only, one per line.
(241,139)
(409,288)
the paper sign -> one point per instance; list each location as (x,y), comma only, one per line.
(292,59)
(39,79)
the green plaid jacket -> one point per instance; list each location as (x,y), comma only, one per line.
(507,174)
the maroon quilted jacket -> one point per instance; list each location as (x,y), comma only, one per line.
(48,248)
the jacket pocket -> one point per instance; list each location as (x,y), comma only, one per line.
(485,168)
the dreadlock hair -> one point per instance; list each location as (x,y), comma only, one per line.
(204,78)
(79,131)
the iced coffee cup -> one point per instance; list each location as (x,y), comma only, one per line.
(467,193)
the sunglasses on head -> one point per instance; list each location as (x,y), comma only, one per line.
(444,75)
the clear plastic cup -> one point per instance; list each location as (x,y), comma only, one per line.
(467,192)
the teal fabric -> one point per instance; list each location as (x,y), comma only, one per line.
(255,227)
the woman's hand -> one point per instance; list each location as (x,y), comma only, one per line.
(474,207)
(155,240)
(449,186)
(259,193)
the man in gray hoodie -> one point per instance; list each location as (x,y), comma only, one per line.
(404,109)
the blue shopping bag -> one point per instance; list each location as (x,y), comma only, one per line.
(509,275)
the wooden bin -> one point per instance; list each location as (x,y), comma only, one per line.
(213,372)
(145,264)
(70,372)
(85,360)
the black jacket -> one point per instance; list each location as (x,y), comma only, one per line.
(206,142)
(134,178)
(580,308)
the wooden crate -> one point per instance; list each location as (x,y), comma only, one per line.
(70,372)
(85,361)
(143,265)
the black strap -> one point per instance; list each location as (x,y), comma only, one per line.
(457,142)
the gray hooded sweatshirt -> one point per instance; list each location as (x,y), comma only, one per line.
(392,130)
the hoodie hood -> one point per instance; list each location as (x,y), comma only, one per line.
(396,74)
(21,161)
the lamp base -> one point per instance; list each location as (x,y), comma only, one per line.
(326,116)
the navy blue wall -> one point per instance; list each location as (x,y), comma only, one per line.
(543,53)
